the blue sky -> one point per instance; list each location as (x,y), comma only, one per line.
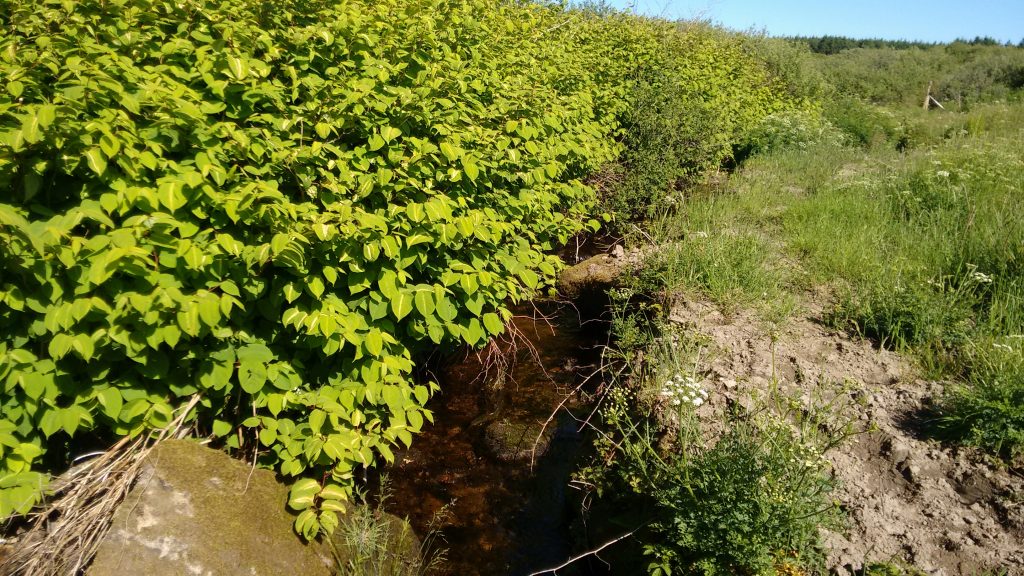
(932,21)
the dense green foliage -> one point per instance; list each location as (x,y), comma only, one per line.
(704,89)
(837,44)
(962,75)
(276,207)
(271,208)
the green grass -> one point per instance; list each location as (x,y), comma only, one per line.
(369,542)
(922,250)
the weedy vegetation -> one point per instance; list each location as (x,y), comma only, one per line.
(278,209)
(907,221)
(743,489)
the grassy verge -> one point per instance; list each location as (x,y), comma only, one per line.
(921,249)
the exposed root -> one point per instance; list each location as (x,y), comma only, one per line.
(65,534)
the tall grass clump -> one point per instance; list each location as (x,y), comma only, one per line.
(987,410)
(730,267)
(370,542)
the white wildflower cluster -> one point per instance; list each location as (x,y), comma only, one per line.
(942,173)
(978,277)
(620,294)
(684,390)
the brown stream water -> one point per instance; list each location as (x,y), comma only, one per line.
(505,518)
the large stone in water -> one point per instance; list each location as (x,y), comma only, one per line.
(511,441)
(597,273)
(198,512)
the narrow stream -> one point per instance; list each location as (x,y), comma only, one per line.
(504,518)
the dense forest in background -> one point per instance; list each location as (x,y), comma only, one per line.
(961,73)
(837,44)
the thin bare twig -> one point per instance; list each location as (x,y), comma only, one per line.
(593,552)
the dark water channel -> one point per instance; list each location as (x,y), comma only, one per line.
(506,517)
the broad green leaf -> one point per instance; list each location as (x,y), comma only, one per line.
(315,286)
(529,278)
(302,493)
(238,67)
(307,524)
(170,194)
(217,368)
(468,283)
(373,341)
(316,420)
(493,323)
(252,376)
(415,419)
(96,160)
(109,145)
(446,310)
(31,127)
(188,319)
(389,133)
(60,345)
(83,345)
(450,152)
(471,169)
(209,310)
(474,333)
(424,300)
(401,304)
(388,284)
(222,428)
(255,352)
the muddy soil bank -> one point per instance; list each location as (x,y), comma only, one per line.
(910,499)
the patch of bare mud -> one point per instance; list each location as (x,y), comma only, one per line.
(909,499)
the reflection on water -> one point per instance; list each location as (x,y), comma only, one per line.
(505,519)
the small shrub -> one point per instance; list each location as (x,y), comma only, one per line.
(864,124)
(785,130)
(631,319)
(670,138)
(745,495)
(899,314)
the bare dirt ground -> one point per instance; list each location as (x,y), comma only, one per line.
(910,500)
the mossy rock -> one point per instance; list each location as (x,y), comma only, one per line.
(511,441)
(597,273)
(197,511)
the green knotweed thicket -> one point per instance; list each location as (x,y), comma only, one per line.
(275,206)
